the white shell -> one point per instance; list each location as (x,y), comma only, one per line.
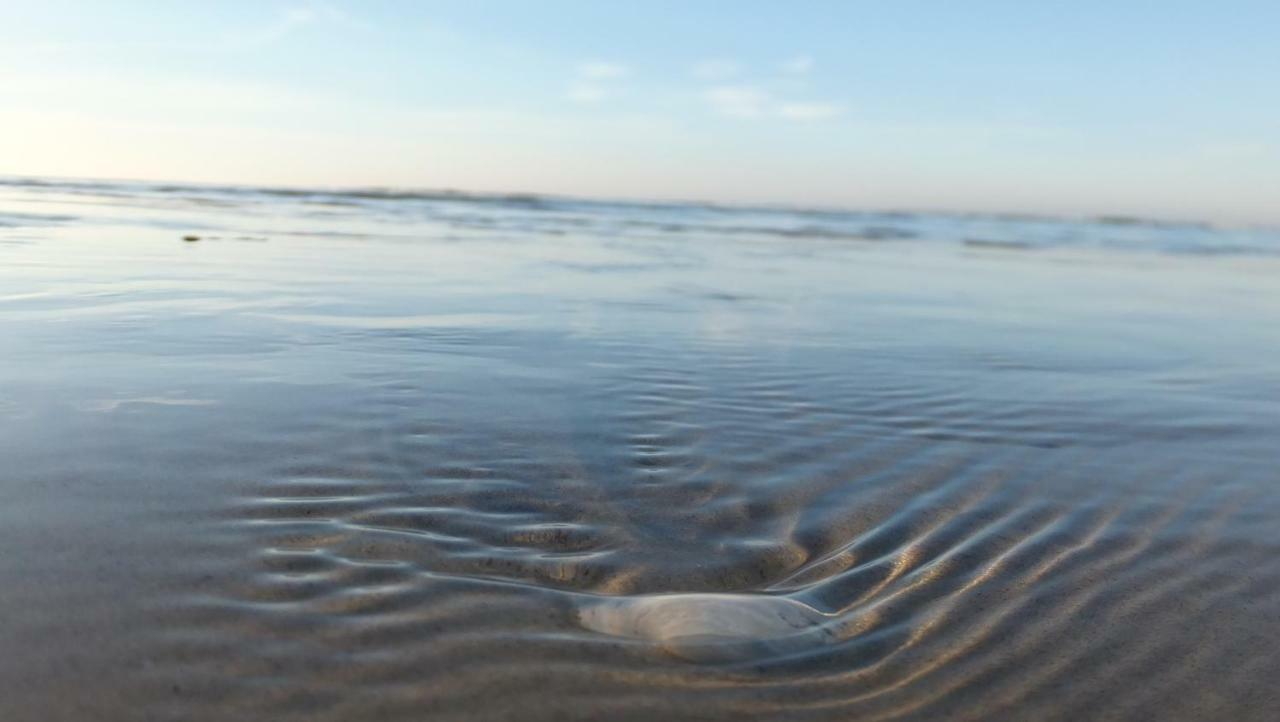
(712,627)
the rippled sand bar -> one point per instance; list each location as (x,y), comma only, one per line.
(293,455)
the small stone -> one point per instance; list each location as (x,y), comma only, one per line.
(191,239)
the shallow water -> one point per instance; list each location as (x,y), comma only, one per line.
(384,455)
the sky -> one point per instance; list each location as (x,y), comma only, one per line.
(1162,109)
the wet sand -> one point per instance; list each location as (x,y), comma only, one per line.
(394,458)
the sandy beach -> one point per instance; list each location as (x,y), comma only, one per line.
(273,454)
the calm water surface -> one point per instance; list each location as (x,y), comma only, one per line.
(385,455)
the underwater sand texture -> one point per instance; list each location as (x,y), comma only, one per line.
(428,456)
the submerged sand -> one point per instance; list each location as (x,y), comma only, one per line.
(421,458)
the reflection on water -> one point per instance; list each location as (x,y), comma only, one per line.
(391,455)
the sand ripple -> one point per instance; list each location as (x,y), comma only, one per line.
(412,456)
(736,520)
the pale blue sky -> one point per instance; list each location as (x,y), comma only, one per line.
(1169,109)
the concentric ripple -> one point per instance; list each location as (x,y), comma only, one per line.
(704,513)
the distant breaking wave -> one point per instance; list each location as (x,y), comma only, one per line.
(557,215)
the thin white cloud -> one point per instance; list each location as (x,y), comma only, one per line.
(715,69)
(600,70)
(743,101)
(586,92)
(312,13)
(799,65)
(1235,150)
(748,101)
(808,111)
(288,21)
(596,81)
(123,95)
